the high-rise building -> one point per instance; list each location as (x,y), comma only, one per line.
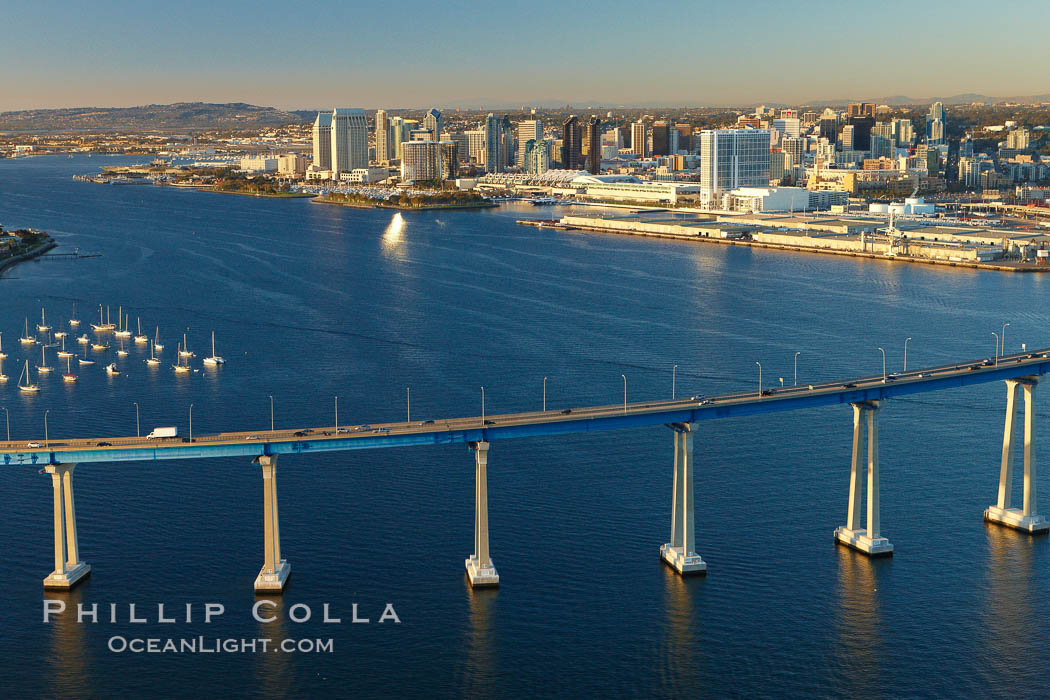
(902,132)
(732,158)
(528,130)
(382,137)
(828,126)
(397,135)
(794,149)
(787,126)
(639,139)
(661,132)
(448,151)
(349,141)
(494,147)
(935,124)
(881,140)
(846,137)
(323,141)
(476,145)
(861,109)
(462,145)
(685,135)
(862,125)
(571,146)
(537,156)
(420,161)
(433,122)
(507,150)
(809,118)
(1018,139)
(594,138)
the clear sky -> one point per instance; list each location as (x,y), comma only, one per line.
(408,53)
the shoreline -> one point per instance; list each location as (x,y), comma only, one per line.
(359,205)
(543,224)
(8,263)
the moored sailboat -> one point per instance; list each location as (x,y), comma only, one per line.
(28,387)
(214,359)
(140,339)
(27,339)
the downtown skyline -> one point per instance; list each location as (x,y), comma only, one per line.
(712,54)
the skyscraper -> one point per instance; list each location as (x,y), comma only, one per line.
(493,144)
(862,126)
(639,139)
(861,109)
(935,124)
(528,130)
(323,141)
(685,136)
(732,158)
(537,156)
(349,141)
(594,153)
(571,148)
(661,138)
(434,123)
(382,137)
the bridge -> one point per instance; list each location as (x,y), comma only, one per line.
(866,395)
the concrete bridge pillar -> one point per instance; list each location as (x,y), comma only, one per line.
(275,571)
(479,566)
(1025,518)
(680,552)
(867,540)
(69,570)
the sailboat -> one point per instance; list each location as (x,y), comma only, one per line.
(178,366)
(60,333)
(42,326)
(43,367)
(63,352)
(85,361)
(27,339)
(214,359)
(122,330)
(83,339)
(3,377)
(2,353)
(152,359)
(140,338)
(74,321)
(185,351)
(50,341)
(27,387)
(122,352)
(69,376)
(157,345)
(111,369)
(103,325)
(99,345)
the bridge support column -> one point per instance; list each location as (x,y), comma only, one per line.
(69,570)
(1024,518)
(680,553)
(275,571)
(479,566)
(867,540)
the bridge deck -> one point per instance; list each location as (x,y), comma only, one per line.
(520,425)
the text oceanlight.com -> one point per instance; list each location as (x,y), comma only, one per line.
(214,645)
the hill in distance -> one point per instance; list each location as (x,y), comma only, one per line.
(173,117)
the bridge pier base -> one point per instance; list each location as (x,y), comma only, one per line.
(69,570)
(866,540)
(480,568)
(1024,518)
(275,571)
(680,553)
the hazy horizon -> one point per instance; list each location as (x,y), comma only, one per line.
(61,55)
